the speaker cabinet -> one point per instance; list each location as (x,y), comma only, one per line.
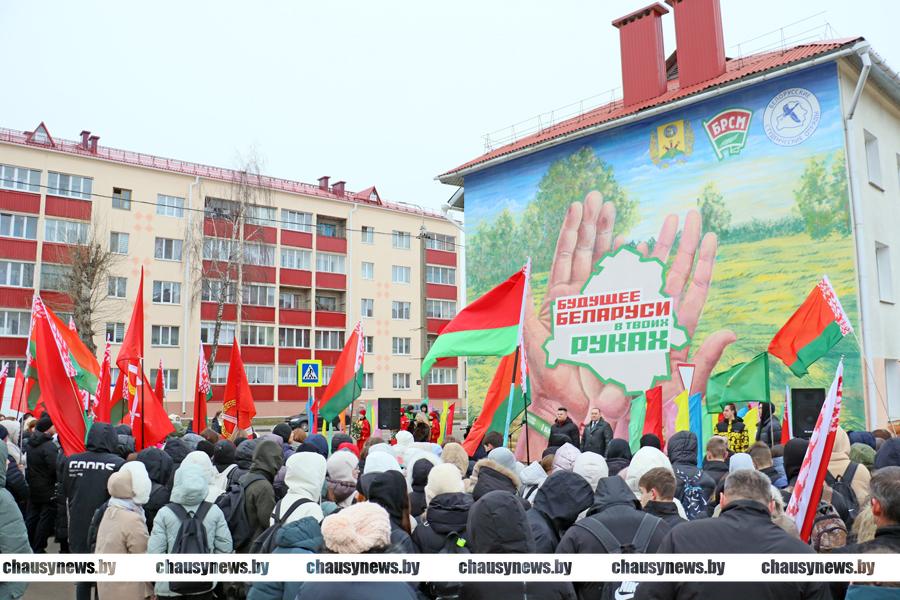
(806,404)
(389,413)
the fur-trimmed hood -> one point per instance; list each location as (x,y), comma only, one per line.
(489,475)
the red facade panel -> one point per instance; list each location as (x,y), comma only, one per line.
(18,249)
(57,301)
(294,317)
(332,281)
(208,311)
(699,38)
(289,356)
(440,257)
(13,346)
(296,277)
(256,274)
(440,291)
(56,253)
(23,202)
(260,234)
(292,393)
(259,313)
(217,228)
(298,239)
(449,362)
(15,297)
(330,319)
(328,357)
(223,354)
(435,325)
(258,355)
(263,393)
(68,208)
(218,394)
(443,392)
(326,243)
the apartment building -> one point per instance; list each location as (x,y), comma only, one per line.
(287,267)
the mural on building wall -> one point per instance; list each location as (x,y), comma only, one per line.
(764,168)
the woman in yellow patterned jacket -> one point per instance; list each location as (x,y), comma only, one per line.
(732,429)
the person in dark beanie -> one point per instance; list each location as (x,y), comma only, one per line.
(224,459)
(283,430)
(40,473)
(388,489)
(650,439)
(206,447)
(618,456)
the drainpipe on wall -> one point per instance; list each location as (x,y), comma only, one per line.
(186,317)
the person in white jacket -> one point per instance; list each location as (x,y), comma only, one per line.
(202,460)
(305,478)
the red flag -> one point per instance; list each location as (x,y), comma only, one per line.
(3,376)
(19,400)
(448,427)
(149,420)
(238,408)
(160,387)
(58,391)
(202,393)
(786,419)
(104,394)
(653,422)
(132,350)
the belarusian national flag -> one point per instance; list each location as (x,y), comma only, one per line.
(238,408)
(645,417)
(346,381)
(496,404)
(202,393)
(487,327)
(812,330)
(104,391)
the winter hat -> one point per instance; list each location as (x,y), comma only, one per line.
(131,482)
(404,439)
(357,529)
(643,460)
(565,457)
(443,479)
(650,439)
(740,462)
(283,430)
(44,423)
(418,470)
(455,455)
(389,490)
(592,467)
(12,427)
(206,447)
(504,457)
(341,466)
(191,439)
(889,454)
(794,452)
(317,443)
(224,453)
(340,438)
(379,462)
(350,447)
(863,454)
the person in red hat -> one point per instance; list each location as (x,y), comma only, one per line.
(365,430)
(435,426)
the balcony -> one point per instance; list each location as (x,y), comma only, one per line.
(331,234)
(18,201)
(331,309)
(295,306)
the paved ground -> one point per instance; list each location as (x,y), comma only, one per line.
(50,591)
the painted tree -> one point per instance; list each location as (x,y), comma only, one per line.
(497,251)
(821,196)
(716,216)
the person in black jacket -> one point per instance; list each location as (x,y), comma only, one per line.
(768,430)
(615,508)
(558,502)
(597,434)
(563,425)
(618,456)
(388,489)
(160,469)
(657,493)
(40,472)
(15,480)
(682,450)
(498,525)
(744,526)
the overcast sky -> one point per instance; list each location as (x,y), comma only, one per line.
(386,93)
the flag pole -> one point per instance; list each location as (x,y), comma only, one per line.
(142,401)
(512,383)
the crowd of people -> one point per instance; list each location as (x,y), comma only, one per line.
(290,491)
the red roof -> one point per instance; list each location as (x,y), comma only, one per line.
(735,70)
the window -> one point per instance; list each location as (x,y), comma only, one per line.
(873,160)
(115,332)
(291,258)
(259,295)
(257,335)
(116,287)
(400,239)
(164,335)
(333,229)
(443,275)
(293,337)
(219,208)
(442,376)
(70,186)
(400,345)
(329,340)
(400,274)
(170,378)
(368,270)
(368,307)
(327,372)
(208,329)
(400,381)
(261,215)
(326,303)
(65,232)
(287,374)
(15,323)
(369,344)
(118,242)
(259,254)
(121,199)
(218,249)
(20,178)
(216,290)
(329,263)
(16,274)
(368,234)
(218,375)
(167,249)
(440,309)
(296,220)
(55,277)
(259,374)
(18,226)
(439,241)
(166,292)
(400,310)
(885,278)
(368,382)
(169,206)
(293,300)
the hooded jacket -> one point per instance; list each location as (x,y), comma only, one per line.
(488,476)
(160,469)
(259,495)
(644,459)
(40,471)
(418,478)
(567,428)
(388,490)
(341,477)
(556,506)
(618,456)
(223,460)
(768,430)
(13,536)
(243,457)
(446,514)
(682,450)
(717,469)
(303,536)
(533,477)
(497,525)
(189,490)
(565,457)
(305,477)
(202,460)
(840,460)
(592,467)
(317,443)
(888,455)
(84,477)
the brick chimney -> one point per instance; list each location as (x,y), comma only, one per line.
(701,45)
(85,134)
(338,188)
(323,182)
(643,62)
(92,143)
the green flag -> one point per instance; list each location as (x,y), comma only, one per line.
(636,422)
(744,382)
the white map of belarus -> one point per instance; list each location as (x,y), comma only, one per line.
(622,326)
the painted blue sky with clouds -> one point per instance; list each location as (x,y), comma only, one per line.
(758,183)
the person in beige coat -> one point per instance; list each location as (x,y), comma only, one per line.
(840,460)
(123,529)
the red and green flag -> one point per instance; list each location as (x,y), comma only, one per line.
(495,410)
(814,329)
(646,417)
(346,381)
(202,393)
(487,327)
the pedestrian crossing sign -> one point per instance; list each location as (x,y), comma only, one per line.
(309,373)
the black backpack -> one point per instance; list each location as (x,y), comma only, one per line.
(621,590)
(232,505)
(265,543)
(842,485)
(692,498)
(453,544)
(190,539)
(94,527)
